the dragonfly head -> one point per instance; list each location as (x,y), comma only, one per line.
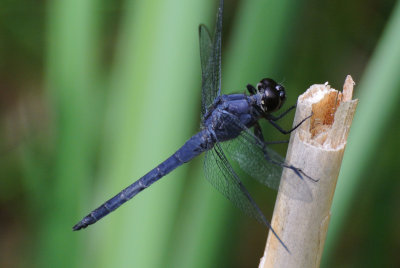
(272,95)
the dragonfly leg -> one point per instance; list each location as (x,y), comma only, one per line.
(275,142)
(299,172)
(287,131)
(258,134)
(276,118)
(252,90)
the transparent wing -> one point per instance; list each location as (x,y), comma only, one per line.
(210,56)
(207,85)
(221,175)
(262,163)
(251,159)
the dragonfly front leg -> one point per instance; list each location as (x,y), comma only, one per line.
(272,121)
(276,118)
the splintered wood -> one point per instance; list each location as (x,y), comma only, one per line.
(324,103)
(317,148)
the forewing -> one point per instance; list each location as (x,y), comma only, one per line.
(251,159)
(262,163)
(210,56)
(206,48)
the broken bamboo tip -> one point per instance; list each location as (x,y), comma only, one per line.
(329,124)
(301,220)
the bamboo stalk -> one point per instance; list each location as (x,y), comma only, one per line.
(317,148)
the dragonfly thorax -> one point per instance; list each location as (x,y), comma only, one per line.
(272,95)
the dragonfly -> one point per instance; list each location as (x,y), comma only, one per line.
(225,136)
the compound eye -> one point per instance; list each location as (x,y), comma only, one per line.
(266,83)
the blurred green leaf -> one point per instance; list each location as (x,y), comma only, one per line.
(94,95)
(378,94)
(153,92)
(72,72)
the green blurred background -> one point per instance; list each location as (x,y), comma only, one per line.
(93,94)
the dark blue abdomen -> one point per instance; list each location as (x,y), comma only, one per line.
(193,147)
